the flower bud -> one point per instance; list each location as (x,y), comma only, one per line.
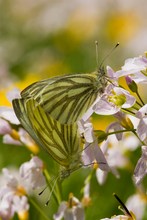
(131,84)
(101,135)
(127,123)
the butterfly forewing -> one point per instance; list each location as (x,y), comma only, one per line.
(66,98)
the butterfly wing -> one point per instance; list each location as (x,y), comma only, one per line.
(61,141)
(66,98)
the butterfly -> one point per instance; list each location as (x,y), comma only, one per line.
(66,98)
(61,141)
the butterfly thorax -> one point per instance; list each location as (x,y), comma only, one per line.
(101,81)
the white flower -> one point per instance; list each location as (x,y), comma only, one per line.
(8,139)
(92,152)
(13,94)
(142,113)
(32,172)
(118,217)
(5,127)
(142,125)
(134,68)
(101,176)
(71,210)
(12,197)
(137,204)
(12,136)
(8,114)
(115,154)
(142,130)
(111,73)
(141,168)
(86,129)
(6,207)
(112,100)
(115,126)
(21,206)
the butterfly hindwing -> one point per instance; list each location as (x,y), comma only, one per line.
(61,141)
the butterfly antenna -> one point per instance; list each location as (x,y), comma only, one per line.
(111,51)
(96,51)
(53,187)
(123,205)
(43,190)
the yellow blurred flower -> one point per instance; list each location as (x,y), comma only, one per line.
(21,84)
(121,26)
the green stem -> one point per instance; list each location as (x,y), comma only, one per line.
(140,98)
(38,209)
(138,103)
(128,111)
(134,107)
(120,131)
(134,132)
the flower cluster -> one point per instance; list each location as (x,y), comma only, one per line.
(130,112)
(17,187)
(104,151)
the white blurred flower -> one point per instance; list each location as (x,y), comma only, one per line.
(115,154)
(119,217)
(142,112)
(91,152)
(11,196)
(13,94)
(32,172)
(5,127)
(6,208)
(128,214)
(21,207)
(137,204)
(8,114)
(71,210)
(115,126)
(141,168)
(134,67)
(142,125)
(86,129)
(12,136)
(142,130)
(111,73)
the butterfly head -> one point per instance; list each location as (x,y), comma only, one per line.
(64,173)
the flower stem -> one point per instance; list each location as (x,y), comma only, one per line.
(140,98)
(140,105)
(128,111)
(38,208)
(120,131)
(134,132)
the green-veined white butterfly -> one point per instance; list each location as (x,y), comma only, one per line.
(61,141)
(67,98)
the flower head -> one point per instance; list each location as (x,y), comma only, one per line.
(71,210)
(141,168)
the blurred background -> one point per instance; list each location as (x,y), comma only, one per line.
(41,39)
